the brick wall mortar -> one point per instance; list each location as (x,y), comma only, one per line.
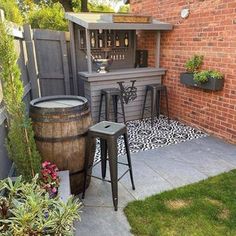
(209,30)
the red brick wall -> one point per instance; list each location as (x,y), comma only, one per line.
(210,30)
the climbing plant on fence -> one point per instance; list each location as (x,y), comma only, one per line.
(20,141)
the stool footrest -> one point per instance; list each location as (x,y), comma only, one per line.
(109,181)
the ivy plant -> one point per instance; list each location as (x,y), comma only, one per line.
(194,63)
(20,142)
(27,209)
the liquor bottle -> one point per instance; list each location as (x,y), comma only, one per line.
(126,40)
(117,41)
(82,42)
(93,40)
(100,41)
(109,41)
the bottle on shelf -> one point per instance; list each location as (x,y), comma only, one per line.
(109,43)
(100,41)
(117,42)
(93,41)
(126,40)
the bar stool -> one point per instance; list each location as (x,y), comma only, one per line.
(157,90)
(109,132)
(115,95)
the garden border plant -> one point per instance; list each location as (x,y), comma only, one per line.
(20,140)
(206,79)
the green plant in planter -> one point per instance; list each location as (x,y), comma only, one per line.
(194,63)
(27,209)
(203,76)
(20,142)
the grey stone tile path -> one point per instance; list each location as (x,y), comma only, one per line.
(155,171)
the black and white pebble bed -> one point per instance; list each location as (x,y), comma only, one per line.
(143,136)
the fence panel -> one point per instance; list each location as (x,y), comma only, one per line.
(53,64)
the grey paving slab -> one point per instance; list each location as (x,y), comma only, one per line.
(154,171)
(147,181)
(99,194)
(175,172)
(102,221)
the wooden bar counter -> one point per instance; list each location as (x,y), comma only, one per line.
(94,82)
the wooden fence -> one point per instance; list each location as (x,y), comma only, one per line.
(44,60)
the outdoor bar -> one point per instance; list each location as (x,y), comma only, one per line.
(104,53)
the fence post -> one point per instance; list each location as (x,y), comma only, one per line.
(32,62)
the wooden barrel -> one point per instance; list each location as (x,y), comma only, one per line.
(60,124)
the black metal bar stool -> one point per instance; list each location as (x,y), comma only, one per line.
(113,94)
(109,132)
(157,90)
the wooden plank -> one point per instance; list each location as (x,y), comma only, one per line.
(73,58)
(42,34)
(27,89)
(52,75)
(32,63)
(65,63)
(158,49)
(89,59)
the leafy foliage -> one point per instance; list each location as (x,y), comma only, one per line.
(12,12)
(124,9)
(194,63)
(203,76)
(48,16)
(21,144)
(27,209)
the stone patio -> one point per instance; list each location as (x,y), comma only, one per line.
(155,171)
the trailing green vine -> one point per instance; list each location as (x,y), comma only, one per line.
(20,142)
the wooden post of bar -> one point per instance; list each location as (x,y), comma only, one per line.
(89,59)
(158,48)
(32,62)
(73,58)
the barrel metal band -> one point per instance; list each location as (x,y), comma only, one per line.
(61,120)
(61,139)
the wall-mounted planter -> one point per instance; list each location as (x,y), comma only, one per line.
(212,84)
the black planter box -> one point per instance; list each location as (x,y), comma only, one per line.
(212,84)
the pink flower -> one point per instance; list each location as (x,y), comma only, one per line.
(46,163)
(54,190)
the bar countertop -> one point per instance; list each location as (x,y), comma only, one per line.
(122,74)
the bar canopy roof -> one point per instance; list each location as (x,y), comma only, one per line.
(94,21)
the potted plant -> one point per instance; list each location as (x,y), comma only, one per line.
(210,80)
(192,66)
(207,79)
(27,209)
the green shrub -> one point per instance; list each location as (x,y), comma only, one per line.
(194,63)
(27,209)
(49,16)
(203,76)
(11,10)
(20,142)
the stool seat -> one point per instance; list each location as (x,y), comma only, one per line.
(107,128)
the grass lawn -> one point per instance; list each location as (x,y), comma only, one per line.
(207,208)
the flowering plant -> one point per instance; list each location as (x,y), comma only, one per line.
(50,180)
